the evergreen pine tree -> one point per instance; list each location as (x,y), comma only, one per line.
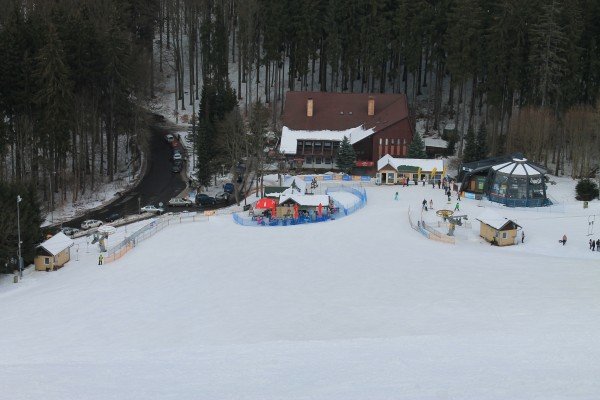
(204,152)
(481,142)
(417,147)
(346,156)
(470,154)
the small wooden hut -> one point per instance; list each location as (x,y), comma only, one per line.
(53,253)
(497,229)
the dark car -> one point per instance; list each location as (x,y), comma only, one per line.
(205,200)
(228,188)
(113,217)
(177,166)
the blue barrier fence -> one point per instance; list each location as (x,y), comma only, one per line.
(243,219)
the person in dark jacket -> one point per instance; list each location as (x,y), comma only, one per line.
(593,245)
(598,245)
(592,241)
(564,240)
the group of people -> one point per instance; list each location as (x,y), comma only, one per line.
(595,245)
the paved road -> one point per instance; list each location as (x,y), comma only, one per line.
(158,185)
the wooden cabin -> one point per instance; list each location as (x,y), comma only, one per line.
(497,229)
(53,253)
(391,170)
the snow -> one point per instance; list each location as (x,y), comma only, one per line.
(307,200)
(517,167)
(289,137)
(435,142)
(57,243)
(424,164)
(362,307)
(493,219)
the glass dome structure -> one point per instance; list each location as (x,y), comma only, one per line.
(517,183)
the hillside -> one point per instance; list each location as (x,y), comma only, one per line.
(361,307)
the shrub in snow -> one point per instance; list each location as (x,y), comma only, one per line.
(586,190)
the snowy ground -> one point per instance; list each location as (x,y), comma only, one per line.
(362,307)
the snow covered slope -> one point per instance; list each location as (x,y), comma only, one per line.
(362,307)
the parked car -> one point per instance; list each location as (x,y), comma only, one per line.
(152,209)
(113,217)
(228,188)
(180,202)
(222,197)
(177,156)
(169,138)
(205,200)
(177,167)
(69,231)
(90,223)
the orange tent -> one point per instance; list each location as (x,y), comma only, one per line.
(266,202)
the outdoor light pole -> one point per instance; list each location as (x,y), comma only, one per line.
(19,237)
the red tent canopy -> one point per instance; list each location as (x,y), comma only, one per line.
(265,202)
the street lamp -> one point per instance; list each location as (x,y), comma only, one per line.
(20,260)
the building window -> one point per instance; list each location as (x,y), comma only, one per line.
(318,145)
(308,160)
(380,141)
(308,146)
(46,260)
(336,145)
(327,160)
(318,160)
(386,141)
(327,145)
(503,235)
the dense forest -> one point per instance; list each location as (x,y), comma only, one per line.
(76,75)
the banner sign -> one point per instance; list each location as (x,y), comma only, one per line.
(365,178)
(346,178)
(327,177)
(364,163)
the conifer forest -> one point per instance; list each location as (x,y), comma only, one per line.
(76,75)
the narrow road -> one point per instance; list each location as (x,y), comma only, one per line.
(159,184)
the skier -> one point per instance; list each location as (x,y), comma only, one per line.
(439,184)
(431,203)
(396,196)
(598,245)
(433,184)
(564,240)
(424,204)
(449,199)
(593,245)
(457,207)
(100,259)
(590,242)
(458,196)
(522,236)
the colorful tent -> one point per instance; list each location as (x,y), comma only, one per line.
(320,210)
(296,211)
(266,202)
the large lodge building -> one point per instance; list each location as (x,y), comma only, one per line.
(314,124)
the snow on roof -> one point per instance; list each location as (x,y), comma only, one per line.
(493,219)
(311,200)
(293,183)
(435,142)
(518,167)
(57,243)
(424,164)
(289,137)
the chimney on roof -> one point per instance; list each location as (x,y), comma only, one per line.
(309,107)
(371,108)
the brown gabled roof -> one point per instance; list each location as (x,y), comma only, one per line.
(341,111)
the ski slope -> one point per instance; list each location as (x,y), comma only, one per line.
(363,307)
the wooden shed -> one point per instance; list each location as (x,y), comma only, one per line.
(497,229)
(53,253)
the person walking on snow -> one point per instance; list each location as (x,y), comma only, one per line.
(396,196)
(424,205)
(593,245)
(457,207)
(564,240)
(522,236)
(431,203)
(598,245)
(100,259)
(590,242)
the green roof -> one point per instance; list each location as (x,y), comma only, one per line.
(407,168)
(274,189)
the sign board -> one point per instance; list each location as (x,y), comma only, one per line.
(209,213)
(327,177)
(365,178)
(346,177)
(364,163)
